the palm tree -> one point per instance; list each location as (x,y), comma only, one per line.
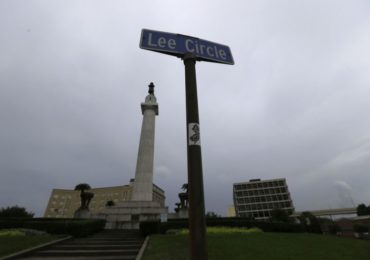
(82,187)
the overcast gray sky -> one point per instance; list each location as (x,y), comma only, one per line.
(294,105)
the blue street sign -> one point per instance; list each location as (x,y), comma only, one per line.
(178,45)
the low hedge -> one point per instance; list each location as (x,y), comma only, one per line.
(237,222)
(74,227)
(360,228)
(334,228)
(150,227)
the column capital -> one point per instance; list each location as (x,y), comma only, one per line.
(145,106)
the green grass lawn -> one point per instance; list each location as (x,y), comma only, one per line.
(12,243)
(259,246)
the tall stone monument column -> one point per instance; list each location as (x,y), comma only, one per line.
(143,185)
(141,208)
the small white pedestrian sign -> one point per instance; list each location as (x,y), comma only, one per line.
(194,134)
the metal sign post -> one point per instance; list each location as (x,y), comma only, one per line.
(191,49)
(197,222)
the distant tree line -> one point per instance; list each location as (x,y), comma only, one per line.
(211,214)
(15,212)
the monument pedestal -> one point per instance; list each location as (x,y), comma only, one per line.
(181,214)
(82,213)
(129,214)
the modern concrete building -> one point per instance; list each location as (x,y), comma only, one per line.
(64,202)
(257,198)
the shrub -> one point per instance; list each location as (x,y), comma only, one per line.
(236,222)
(310,222)
(360,228)
(226,230)
(334,229)
(279,215)
(173,224)
(74,227)
(15,212)
(149,227)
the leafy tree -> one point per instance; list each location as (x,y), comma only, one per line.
(307,218)
(363,210)
(15,212)
(211,214)
(280,215)
(310,221)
